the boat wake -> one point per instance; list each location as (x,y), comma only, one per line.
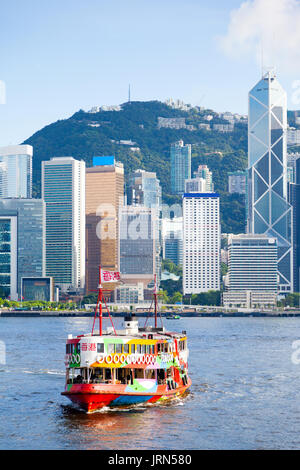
(138,408)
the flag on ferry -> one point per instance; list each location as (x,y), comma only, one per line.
(110,276)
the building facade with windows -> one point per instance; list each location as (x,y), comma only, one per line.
(237,182)
(22,243)
(269,211)
(252,279)
(201,242)
(181,157)
(37,289)
(16,171)
(294,199)
(144,189)
(63,190)
(104,196)
(252,263)
(139,249)
(172,243)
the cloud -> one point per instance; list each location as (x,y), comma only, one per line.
(275,24)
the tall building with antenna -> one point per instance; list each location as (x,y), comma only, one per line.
(269,211)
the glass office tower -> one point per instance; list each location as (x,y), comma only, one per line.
(22,243)
(63,190)
(181,158)
(144,189)
(16,171)
(269,211)
(294,200)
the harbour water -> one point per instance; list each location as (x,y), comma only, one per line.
(245,392)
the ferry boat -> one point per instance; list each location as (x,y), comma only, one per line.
(125,367)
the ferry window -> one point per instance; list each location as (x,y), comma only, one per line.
(153,349)
(121,374)
(139,373)
(126,348)
(78,348)
(108,374)
(159,347)
(100,374)
(150,374)
(148,349)
(160,376)
(138,348)
(110,348)
(118,348)
(100,348)
(132,346)
(143,349)
(165,347)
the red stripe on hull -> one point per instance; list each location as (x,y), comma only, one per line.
(92,401)
(92,398)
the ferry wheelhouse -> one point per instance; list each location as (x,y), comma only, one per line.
(125,367)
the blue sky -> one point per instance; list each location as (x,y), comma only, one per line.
(63,55)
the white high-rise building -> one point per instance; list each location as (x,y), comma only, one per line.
(252,263)
(201,242)
(63,189)
(16,171)
(196,185)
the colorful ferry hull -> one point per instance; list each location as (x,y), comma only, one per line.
(95,397)
(133,366)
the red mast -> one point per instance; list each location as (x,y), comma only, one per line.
(100,299)
(155,301)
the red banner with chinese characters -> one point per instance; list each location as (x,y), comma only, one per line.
(110,276)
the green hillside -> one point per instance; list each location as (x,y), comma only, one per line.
(85,135)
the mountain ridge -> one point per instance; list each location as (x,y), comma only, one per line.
(85,134)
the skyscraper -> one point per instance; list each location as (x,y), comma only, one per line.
(269,211)
(181,156)
(104,195)
(22,243)
(17,170)
(172,232)
(139,255)
(252,271)
(63,190)
(195,185)
(237,182)
(144,189)
(252,263)
(201,242)
(294,199)
(204,172)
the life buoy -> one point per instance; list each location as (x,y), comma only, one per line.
(116,358)
(122,358)
(148,359)
(100,359)
(110,359)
